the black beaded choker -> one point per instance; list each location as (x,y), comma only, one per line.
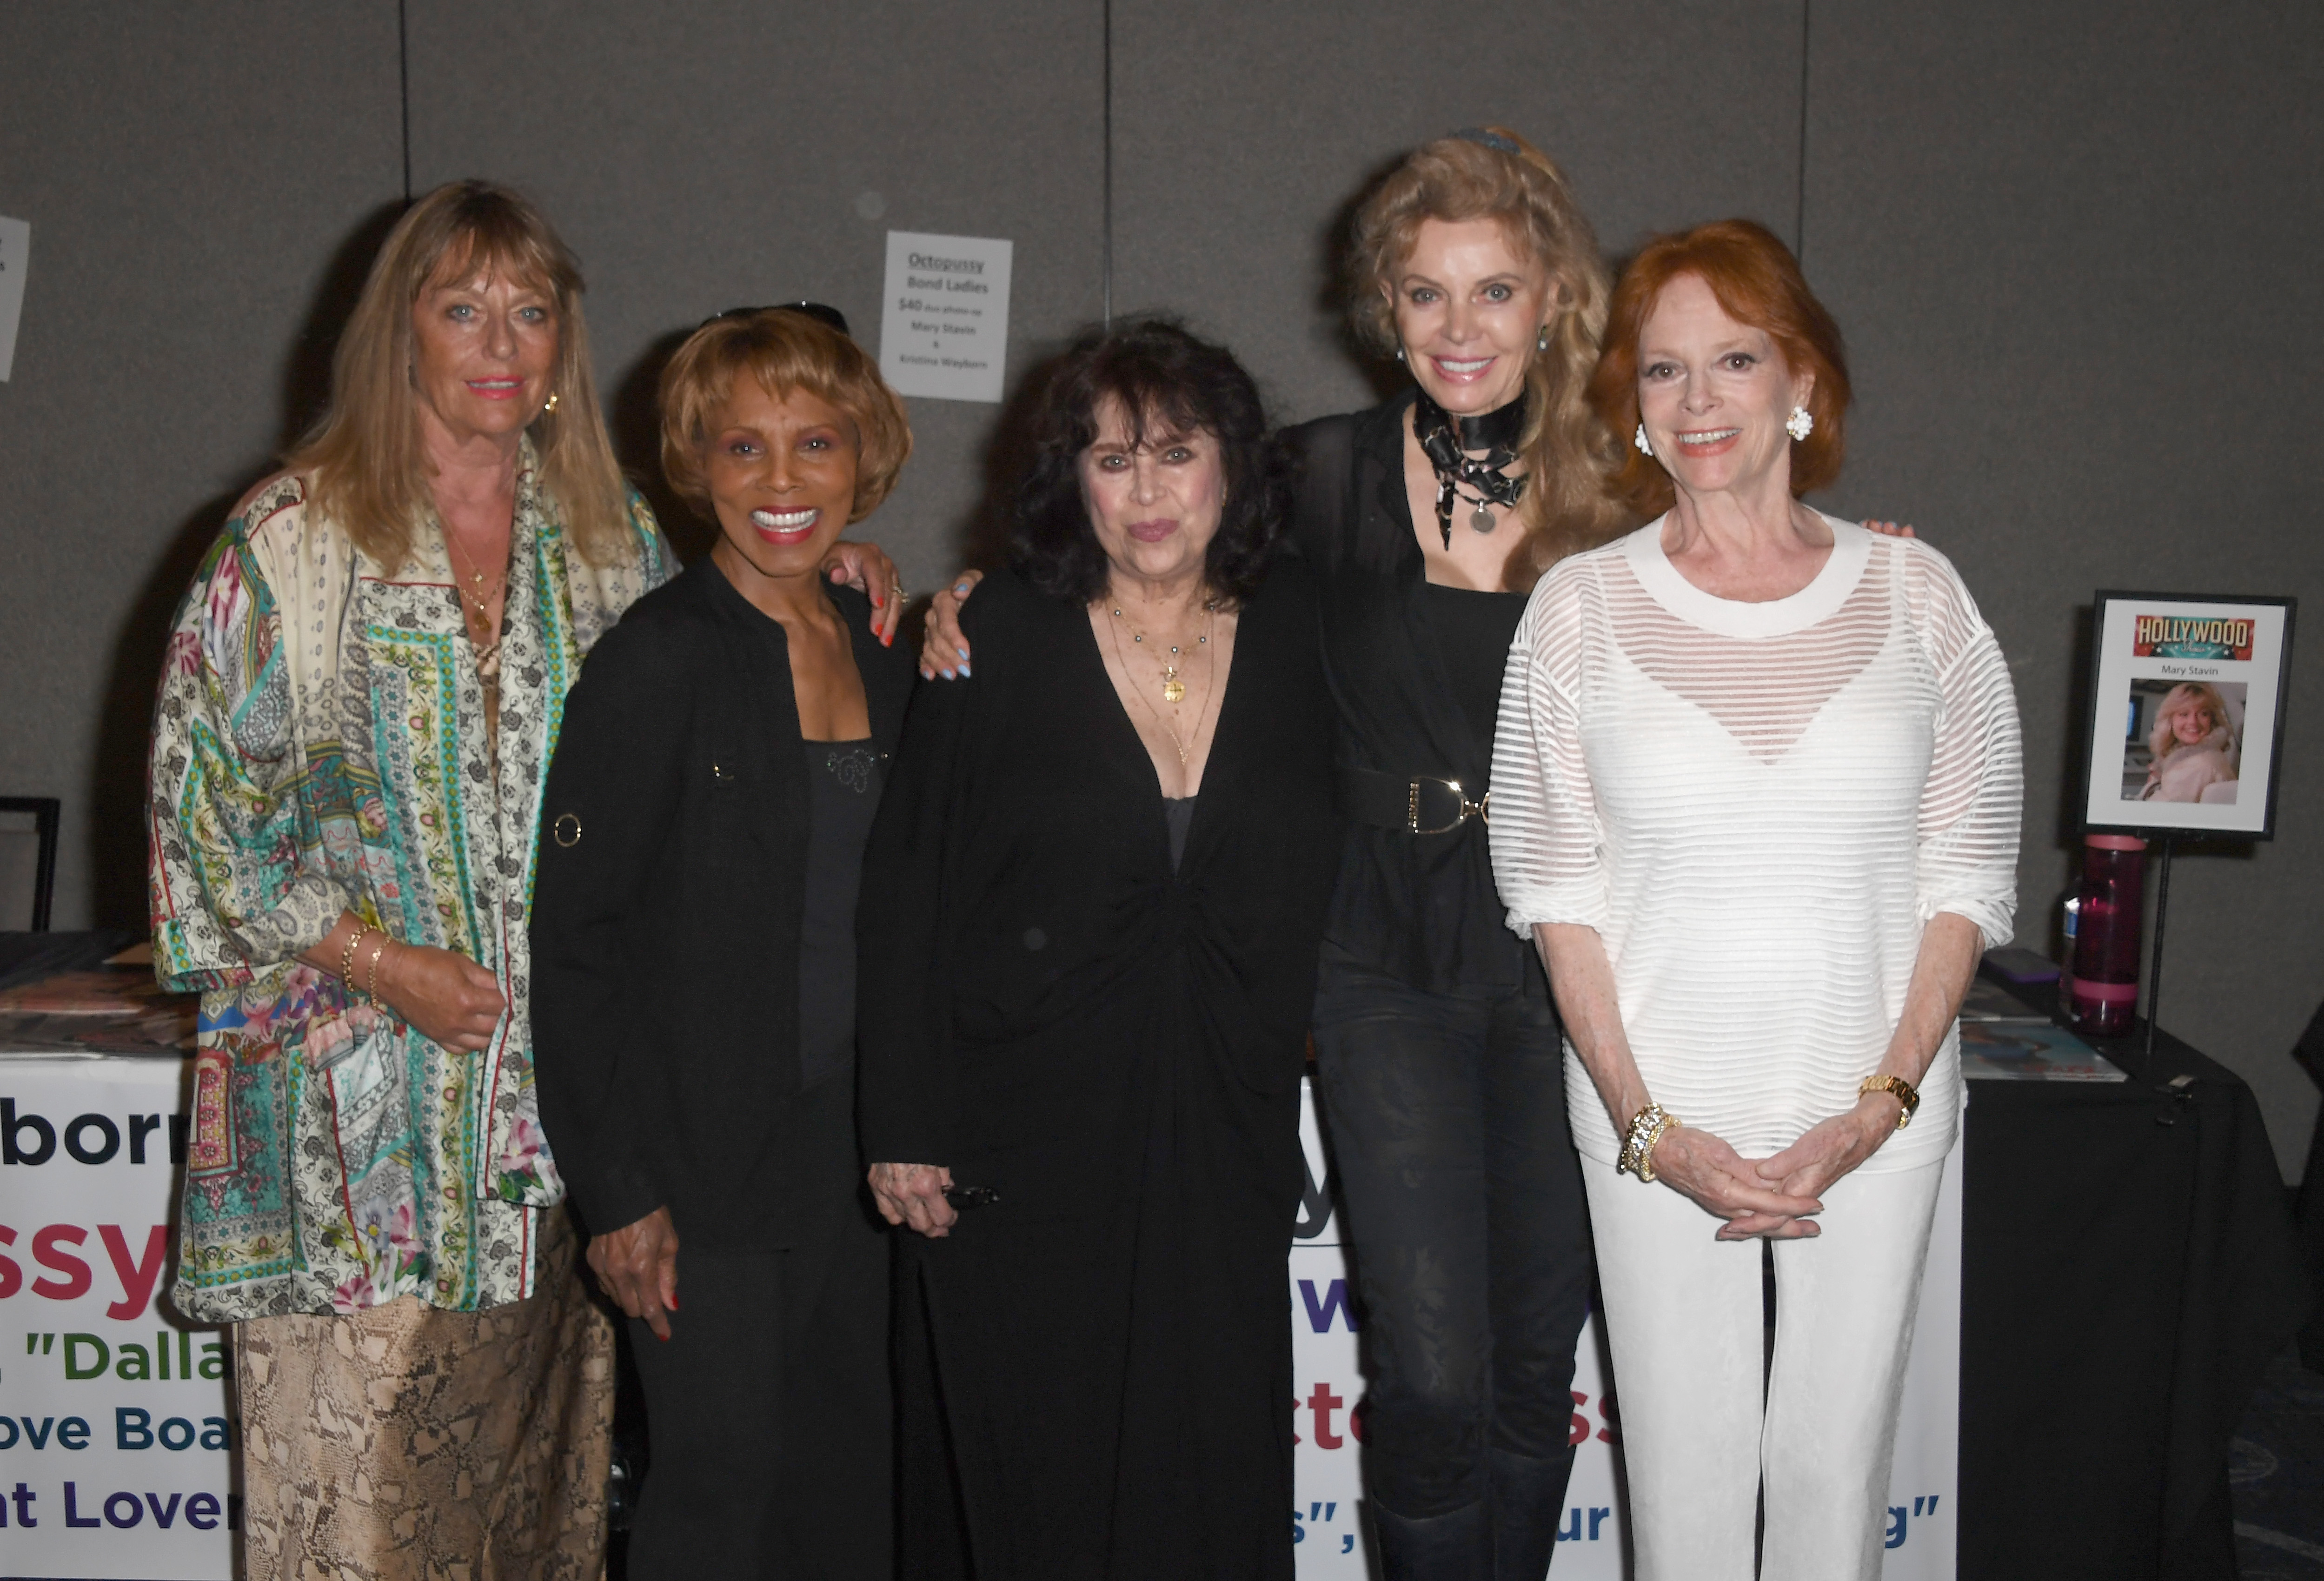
(1495,433)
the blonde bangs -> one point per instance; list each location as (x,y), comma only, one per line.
(364,462)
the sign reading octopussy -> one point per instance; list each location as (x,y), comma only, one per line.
(114,1431)
(943,326)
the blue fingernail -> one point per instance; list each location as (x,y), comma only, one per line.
(964,670)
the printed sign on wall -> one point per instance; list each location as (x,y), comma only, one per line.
(944,329)
(116,1433)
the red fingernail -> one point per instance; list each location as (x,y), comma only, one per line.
(671,1303)
(888,641)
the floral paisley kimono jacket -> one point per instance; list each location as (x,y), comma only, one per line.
(321,744)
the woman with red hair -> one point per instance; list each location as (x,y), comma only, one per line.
(1755,798)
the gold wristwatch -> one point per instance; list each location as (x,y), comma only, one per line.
(1906,1093)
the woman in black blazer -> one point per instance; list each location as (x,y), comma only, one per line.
(694,945)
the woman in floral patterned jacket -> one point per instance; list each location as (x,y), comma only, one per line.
(358,707)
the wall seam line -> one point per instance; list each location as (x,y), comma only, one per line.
(1800,208)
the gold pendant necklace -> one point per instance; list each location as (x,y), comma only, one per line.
(1173,690)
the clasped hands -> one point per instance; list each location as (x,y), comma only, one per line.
(1775,1197)
(913,1195)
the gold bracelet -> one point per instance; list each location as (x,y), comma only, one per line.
(1647,1129)
(1906,1093)
(371,975)
(347,957)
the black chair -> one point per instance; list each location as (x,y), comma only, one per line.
(44,810)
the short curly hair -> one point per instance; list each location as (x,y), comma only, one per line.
(1168,381)
(785,350)
(1759,282)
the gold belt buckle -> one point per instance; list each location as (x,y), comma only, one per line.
(1481,810)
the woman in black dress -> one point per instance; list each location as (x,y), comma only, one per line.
(1089,933)
(1424,523)
(693,937)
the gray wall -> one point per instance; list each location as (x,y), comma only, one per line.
(2071,244)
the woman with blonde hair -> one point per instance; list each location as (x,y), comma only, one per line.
(356,710)
(2193,742)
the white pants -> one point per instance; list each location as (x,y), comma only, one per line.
(1685,1315)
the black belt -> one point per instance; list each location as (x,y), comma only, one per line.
(1415,804)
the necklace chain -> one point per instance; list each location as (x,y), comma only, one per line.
(477,607)
(1173,690)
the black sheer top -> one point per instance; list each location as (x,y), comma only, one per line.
(1420,907)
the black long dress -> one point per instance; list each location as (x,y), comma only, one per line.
(1113,1048)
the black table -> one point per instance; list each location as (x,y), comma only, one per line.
(2129,1267)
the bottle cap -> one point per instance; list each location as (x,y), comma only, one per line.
(2113,842)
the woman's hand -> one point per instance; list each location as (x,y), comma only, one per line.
(866,568)
(1889,529)
(447,996)
(1703,1167)
(1832,1147)
(637,1265)
(942,646)
(913,1195)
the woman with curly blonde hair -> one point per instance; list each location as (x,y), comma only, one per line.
(1428,518)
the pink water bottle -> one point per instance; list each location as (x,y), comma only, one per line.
(2106,927)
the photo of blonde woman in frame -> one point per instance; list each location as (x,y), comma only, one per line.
(2215,670)
(2185,741)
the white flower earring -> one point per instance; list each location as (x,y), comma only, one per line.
(1801,423)
(1639,440)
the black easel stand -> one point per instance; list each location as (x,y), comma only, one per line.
(2154,966)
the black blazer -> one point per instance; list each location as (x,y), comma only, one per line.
(666,914)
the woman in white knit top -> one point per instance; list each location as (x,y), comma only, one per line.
(1755,797)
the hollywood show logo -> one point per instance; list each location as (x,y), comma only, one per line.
(2178,636)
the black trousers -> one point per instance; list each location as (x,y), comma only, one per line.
(1446,1114)
(768,1414)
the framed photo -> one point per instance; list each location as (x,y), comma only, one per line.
(2187,708)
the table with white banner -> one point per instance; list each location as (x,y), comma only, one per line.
(1592,1541)
(116,1428)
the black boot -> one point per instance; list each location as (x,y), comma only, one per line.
(1457,1546)
(1529,1500)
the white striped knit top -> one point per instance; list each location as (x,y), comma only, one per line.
(1758,807)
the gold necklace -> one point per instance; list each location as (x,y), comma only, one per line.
(1174,690)
(1170,680)
(478,607)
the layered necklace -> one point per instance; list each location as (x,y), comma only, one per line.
(1173,681)
(1495,433)
(476,603)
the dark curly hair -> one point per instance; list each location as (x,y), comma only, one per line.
(1170,382)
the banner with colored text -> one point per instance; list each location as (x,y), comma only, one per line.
(1592,1540)
(116,1432)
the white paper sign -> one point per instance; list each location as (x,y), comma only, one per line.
(1592,1534)
(15,249)
(116,1437)
(944,330)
